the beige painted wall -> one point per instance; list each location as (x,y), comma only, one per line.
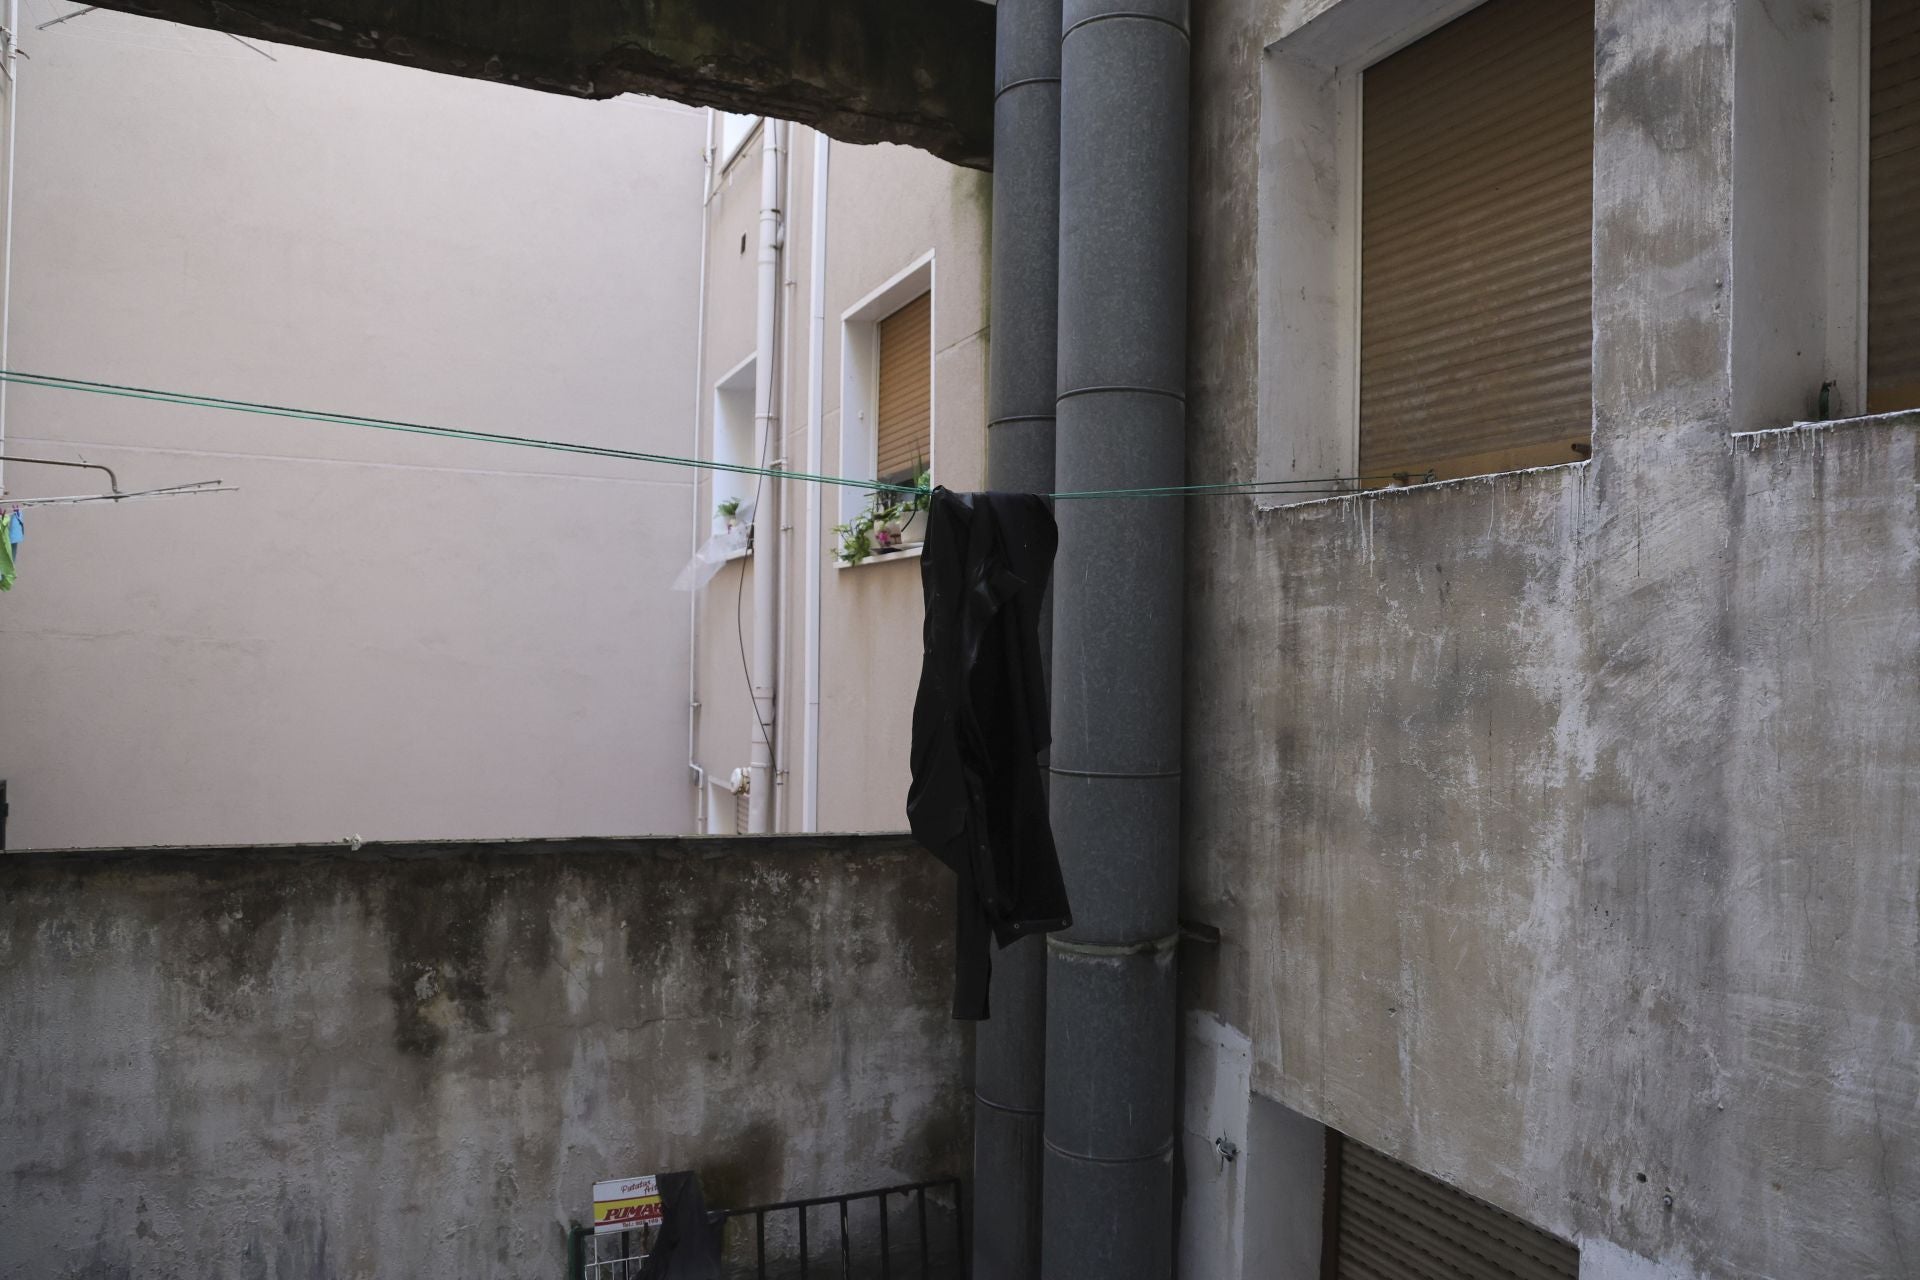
(888,208)
(378,634)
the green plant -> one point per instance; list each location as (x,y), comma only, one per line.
(729,509)
(876,530)
(856,538)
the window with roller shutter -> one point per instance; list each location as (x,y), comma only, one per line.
(903,412)
(1388,1221)
(1476,213)
(1893,206)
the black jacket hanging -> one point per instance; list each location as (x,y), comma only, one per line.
(980,722)
(688,1245)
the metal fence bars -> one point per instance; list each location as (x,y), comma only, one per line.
(914,1231)
(607,1255)
(858,1251)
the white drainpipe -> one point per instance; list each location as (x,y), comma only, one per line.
(766,516)
(784,336)
(816,445)
(10,59)
(700,524)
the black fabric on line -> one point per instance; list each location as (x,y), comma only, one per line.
(980,722)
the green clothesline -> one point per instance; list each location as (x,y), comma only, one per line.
(1330,484)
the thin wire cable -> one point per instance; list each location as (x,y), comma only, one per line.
(1314,484)
(165,491)
(68,17)
(55,383)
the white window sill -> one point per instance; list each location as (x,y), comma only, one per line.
(911,552)
(1813,432)
(1391,491)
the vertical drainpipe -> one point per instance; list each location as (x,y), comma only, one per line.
(1010,1047)
(816,443)
(1115,775)
(766,515)
(701,524)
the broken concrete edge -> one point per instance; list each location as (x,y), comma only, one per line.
(668,848)
(919,75)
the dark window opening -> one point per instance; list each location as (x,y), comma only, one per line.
(1893,206)
(1388,1221)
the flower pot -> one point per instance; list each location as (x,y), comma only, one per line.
(914,531)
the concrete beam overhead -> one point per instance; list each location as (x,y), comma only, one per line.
(859,70)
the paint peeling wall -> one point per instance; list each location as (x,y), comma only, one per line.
(416,1060)
(1563,827)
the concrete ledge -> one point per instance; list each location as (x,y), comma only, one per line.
(1816,432)
(416,1058)
(1517,478)
(666,848)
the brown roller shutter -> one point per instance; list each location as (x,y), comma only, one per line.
(904,426)
(1391,1222)
(1476,244)
(1893,207)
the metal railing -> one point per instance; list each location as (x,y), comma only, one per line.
(872,1255)
(613,1255)
(923,1254)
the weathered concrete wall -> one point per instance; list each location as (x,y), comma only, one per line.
(1562,826)
(415,1060)
(862,70)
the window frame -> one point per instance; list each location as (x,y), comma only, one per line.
(1308,269)
(860,377)
(1847,210)
(727,152)
(724,429)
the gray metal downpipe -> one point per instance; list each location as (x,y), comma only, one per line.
(1118,603)
(1010,1047)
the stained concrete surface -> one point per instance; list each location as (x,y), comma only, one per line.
(416,1060)
(860,70)
(1563,827)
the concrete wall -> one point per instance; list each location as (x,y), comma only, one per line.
(416,1060)
(1562,826)
(388,635)
(889,208)
(864,70)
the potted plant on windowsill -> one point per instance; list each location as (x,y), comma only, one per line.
(729,513)
(904,515)
(893,521)
(913,528)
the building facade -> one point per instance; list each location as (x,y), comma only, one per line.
(1558,823)
(377,634)
(897,298)
(1547,882)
